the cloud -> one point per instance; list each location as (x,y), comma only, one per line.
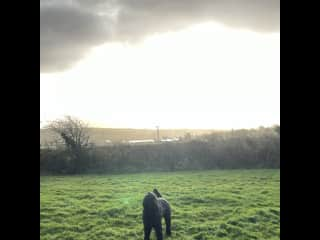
(139,18)
(66,34)
(69,29)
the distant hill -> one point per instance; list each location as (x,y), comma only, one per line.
(99,135)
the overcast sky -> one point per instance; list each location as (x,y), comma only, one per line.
(173,63)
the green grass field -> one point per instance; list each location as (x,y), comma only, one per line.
(238,204)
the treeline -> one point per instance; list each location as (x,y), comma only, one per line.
(255,148)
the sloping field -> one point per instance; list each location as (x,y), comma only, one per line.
(99,135)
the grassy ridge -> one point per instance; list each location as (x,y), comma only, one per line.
(238,204)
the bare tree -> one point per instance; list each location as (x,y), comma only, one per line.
(74,133)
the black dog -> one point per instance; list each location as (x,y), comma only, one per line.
(154,208)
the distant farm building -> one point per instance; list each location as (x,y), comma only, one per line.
(107,142)
(152,141)
(144,141)
(169,140)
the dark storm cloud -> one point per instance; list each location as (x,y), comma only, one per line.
(68,30)
(66,33)
(138,18)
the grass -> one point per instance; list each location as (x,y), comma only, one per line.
(236,204)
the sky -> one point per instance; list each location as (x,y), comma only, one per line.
(173,64)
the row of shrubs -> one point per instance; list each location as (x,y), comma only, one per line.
(257,148)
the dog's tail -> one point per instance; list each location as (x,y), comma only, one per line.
(156,192)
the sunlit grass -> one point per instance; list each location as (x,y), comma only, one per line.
(239,204)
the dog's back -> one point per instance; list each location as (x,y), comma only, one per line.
(164,207)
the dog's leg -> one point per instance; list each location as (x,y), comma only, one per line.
(147,231)
(167,218)
(158,229)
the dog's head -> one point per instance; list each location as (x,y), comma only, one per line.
(156,192)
